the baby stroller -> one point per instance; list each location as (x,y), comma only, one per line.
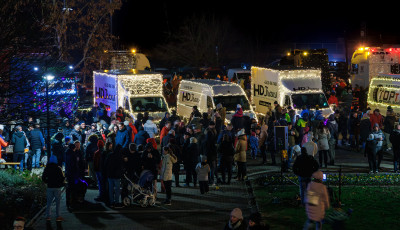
(141,193)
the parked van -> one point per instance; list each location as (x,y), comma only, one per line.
(208,93)
(384,91)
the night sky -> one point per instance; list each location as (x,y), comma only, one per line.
(144,23)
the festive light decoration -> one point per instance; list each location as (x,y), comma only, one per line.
(384,90)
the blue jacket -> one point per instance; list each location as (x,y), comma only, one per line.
(36,139)
(141,137)
(19,141)
(123,138)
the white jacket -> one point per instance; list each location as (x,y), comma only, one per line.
(150,128)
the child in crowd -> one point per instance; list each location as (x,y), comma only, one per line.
(202,170)
(254,145)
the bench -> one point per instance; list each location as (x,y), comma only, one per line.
(9,164)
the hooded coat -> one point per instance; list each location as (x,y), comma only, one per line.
(19,141)
(240,149)
(123,138)
(238,120)
(317,200)
(150,128)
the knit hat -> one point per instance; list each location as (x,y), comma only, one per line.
(318,175)
(239,106)
(126,123)
(376,125)
(236,212)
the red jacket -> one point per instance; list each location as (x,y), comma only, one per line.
(333,100)
(2,144)
(163,133)
(134,131)
(376,119)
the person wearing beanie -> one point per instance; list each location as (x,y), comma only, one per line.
(238,121)
(236,220)
(54,178)
(255,222)
(317,201)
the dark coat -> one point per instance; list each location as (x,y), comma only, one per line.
(71,165)
(123,138)
(388,123)
(19,141)
(370,147)
(395,140)
(76,136)
(58,150)
(91,148)
(190,156)
(305,165)
(365,129)
(114,164)
(141,137)
(210,144)
(53,176)
(36,139)
(226,149)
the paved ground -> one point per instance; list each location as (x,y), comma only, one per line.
(189,209)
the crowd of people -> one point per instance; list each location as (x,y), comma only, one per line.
(207,146)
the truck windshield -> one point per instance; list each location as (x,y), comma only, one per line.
(151,104)
(231,102)
(309,99)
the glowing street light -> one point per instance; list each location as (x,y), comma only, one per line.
(35,68)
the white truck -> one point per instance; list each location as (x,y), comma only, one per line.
(135,91)
(206,94)
(384,91)
(294,87)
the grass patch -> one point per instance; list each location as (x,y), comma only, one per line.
(373,207)
(21,195)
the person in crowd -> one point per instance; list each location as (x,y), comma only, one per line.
(164,131)
(354,131)
(19,223)
(343,126)
(168,159)
(311,146)
(58,148)
(97,168)
(253,145)
(333,99)
(72,174)
(236,221)
(195,113)
(138,122)
(93,130)
(240,155)
(81,162)
(379,137)
(317,201)
(141,137)
(255,222)
(36,141)
(301,125)
(122,138)
(76,134)
(19,141)
(227,151)
(376,118)
(3,143)
(164,120)
(322,137)
(388,126)
(333,130)
(114,166)
(150,127)
(91,148)
(202,171)
(303,167)
(190,159)
(221,111)
(292,135)
(277,112)
(237,120)
(365,128)
(176,167)
(210,149)
(54,178)
(263,143)
(151,159)
(395,140)
(370,152)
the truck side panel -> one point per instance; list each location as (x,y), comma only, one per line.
(264,89)
(105,90)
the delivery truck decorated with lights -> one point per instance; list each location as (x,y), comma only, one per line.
(295,87)
(135,91)
(384,91)
(206,94)
(368,62)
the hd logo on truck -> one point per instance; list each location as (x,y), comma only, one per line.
(262,90)
(189,97)
(103,94)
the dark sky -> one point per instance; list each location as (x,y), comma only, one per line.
(143,23)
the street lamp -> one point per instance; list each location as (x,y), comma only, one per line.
(48,77)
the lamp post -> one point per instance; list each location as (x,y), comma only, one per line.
(48,78)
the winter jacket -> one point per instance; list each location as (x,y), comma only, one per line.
(202,171)
(71,165)
(305,165)
(238,120)
(166,169)
(263,135)
(292,136)
(76,136)
(114,163)
(19,141)
(163,133)
(253,142)
(365,128)
(210,147)
(376,119)
(240,149)
(91,148)
(36,139)
(322,139)
(370,147)
(226,149)
(123,138)
(388,123)
(53,176)
(190,155)
(3,143)
(333,128)
(395,139)
(317,199)
(312,148)
(150,128)
(378,134)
